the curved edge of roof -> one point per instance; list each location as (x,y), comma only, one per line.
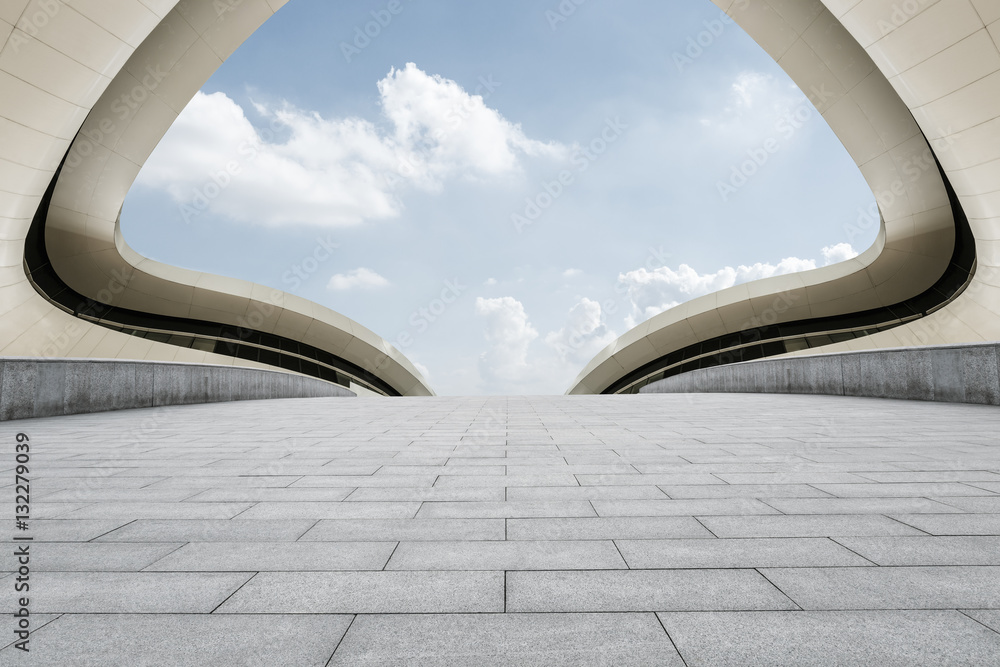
(931,275)
(81,148)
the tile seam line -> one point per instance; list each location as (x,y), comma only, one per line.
(238,589)
(341,640)
(672,642)
(777,588)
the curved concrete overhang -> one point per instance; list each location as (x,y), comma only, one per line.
(911,91)
(88,92)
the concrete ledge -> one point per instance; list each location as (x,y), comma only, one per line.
(31,387)
(949,373)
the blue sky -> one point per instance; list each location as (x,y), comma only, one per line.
(506,187)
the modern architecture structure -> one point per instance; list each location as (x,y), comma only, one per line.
(86,92)
(911,89)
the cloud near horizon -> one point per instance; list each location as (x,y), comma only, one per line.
(653,292)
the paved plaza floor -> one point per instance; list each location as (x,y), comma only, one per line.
(721,529)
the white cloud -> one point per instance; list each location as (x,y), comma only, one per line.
(420,368)
(652,292)
(508,335)
(584,335)
(490,282)
(757,104)
(361,278)
(572,273)
(838,253)
(306,169)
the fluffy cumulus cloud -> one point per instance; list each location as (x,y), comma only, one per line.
(759,107)
(840,252)
(652,292)
(360,278)
(508,335)
(510,362)
(302,168)
(584,334)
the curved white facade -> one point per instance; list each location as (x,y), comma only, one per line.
(94,86)
(902,85)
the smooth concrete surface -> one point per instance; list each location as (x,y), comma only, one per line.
(949,373)
(52,387)
(665,529)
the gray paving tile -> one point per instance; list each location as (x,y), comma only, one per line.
(506,640)
(953,524)
(364,482)
(226,482)
(988,617)
(72,530)
(131,592)
(736,553)
(119,495)
(159,511)
(403,494)
(480,481)
(979,505)
(793,477)
(986,486)
(493,510)
(902,490)
(642,590)
(696,507)
(744,491)
(648,480)
(321,510)
(812,639)
(935,476)
(395,530)
(605,528)
(963,550)
(820,525)
(146,639)
(89,557)
(517,493)
(273,494)
(514,555)
(369,593)
(275,556)
(890,587)
(859,506)
(208,530)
